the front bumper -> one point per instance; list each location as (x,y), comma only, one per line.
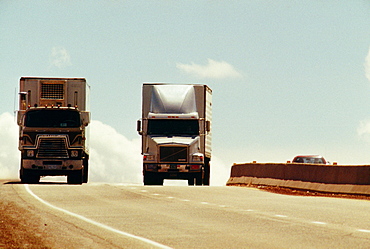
(173,167)
(52,164)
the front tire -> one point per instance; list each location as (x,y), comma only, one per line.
(207,172)
(75,177)
(151,178)
(28,176)
(196,178)
(85,170)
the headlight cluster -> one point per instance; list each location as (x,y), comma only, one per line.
(149,157)
(197,157)
(30,153)
(74,153)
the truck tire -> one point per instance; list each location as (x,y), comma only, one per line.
(85,176)
(75,177)
(29,177)
(207,172)
(152,179)
(191,181)
(196,178)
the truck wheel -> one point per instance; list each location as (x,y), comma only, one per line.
(198,179)
(159,180)
(191,181)
(152,179)
(29,177)
(206,172)
(86,171)
(75,178)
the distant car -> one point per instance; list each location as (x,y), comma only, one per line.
(315,159)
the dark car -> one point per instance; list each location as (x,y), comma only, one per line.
(315,159)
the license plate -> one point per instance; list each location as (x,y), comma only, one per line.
(172,166)
(52,166)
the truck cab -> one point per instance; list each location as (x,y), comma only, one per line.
(53,131)
(176,134)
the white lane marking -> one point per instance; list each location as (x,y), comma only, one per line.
(363,230)
(280,215)
(319,222)
(204,203)
(148,241)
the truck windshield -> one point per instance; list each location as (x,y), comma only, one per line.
(170,127)
(53,118)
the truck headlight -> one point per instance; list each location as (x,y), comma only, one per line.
(30,153)
(149,158)
(74,153)
(197,157)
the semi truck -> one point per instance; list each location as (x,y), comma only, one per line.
(53,117)
(175,128)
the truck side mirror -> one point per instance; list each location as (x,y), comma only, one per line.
(208,126)
(138,127)
(85,118)
(20,115)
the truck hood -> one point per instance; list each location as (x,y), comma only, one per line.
(175,140)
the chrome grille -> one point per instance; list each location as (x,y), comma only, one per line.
(173,154)
(52,147)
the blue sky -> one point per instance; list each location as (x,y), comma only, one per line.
(288,77)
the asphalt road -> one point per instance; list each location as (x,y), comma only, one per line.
(102,215)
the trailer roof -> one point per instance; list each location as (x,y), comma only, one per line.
(172,83)
(53,78)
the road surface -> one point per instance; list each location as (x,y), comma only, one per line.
(102,215)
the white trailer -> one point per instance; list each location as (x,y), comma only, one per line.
(53,117)
(176,132)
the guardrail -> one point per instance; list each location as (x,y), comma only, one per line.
(350,179)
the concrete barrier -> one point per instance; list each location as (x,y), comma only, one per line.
(349,179)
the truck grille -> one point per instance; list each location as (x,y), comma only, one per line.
(52,91)
(52,147)
(173,154)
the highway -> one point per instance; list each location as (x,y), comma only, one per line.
(103,215)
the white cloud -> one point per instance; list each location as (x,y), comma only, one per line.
(212,70)
(9,153)
(367,65)
(220,172)
(113,157)
(363,130)
(60,57)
